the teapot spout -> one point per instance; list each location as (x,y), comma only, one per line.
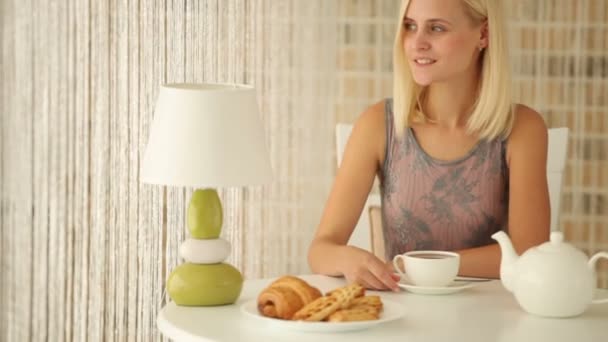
(508,259)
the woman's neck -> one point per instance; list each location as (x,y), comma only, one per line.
(449,104)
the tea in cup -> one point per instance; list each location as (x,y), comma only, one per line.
(428,268)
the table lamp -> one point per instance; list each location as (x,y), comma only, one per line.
(205,136)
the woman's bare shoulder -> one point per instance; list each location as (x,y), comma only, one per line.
(529,130)
(528,123)
(371,126)
(373,115)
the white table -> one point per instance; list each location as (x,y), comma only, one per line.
(486,312)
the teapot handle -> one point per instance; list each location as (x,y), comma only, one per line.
(591,264)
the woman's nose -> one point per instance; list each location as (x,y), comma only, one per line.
(419,41)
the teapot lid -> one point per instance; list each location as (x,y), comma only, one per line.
(556,244)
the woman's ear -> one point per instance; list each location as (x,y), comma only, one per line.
(484,36)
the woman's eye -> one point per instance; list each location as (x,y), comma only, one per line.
(409,27)
(436,28)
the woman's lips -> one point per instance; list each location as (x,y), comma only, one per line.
(424,61)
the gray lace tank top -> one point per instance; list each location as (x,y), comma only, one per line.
(429,204)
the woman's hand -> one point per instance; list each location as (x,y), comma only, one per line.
(366,269)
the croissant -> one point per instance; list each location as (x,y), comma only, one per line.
(285,296)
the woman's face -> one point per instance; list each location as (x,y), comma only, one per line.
(441,41)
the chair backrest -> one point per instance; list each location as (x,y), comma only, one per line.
(556,162)
(342,134)
(368,231)
(376,234)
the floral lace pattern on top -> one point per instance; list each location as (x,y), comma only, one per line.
(428,204)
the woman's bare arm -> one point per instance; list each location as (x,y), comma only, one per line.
(328,253)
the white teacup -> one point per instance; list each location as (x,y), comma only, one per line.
(428,268)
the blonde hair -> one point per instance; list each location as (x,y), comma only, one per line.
(492,115)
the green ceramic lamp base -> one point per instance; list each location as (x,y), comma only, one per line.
(204,284)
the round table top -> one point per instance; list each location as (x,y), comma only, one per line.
(484,312)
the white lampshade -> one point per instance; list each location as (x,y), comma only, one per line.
(206,135)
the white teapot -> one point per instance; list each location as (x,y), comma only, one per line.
(553,279)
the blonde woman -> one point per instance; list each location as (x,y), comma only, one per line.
(456,159)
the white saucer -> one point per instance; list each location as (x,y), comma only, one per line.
(455,286)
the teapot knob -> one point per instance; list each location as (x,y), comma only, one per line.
(556,237)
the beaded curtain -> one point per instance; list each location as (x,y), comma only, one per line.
(85,246)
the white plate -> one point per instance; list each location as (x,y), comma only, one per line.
(391,311)
(455,286)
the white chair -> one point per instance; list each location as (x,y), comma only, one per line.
(556,162)
(366,231)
